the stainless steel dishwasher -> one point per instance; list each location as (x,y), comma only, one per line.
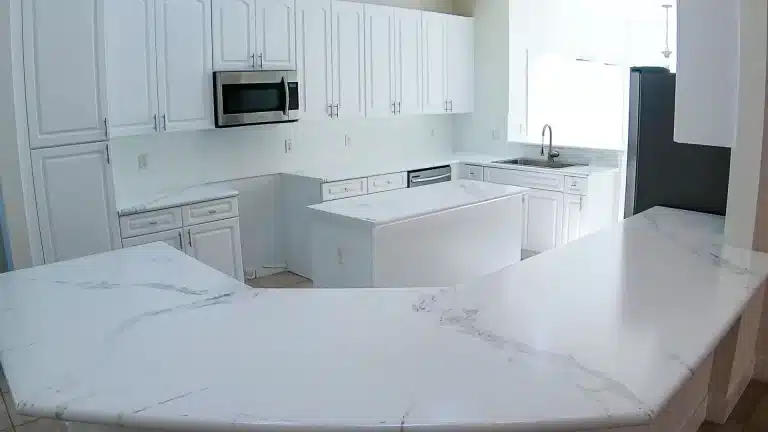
(426,177)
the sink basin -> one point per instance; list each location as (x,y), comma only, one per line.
(536,163)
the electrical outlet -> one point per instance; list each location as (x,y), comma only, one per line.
(143,161)
(496,134)
(288,146)
(347,140)
(433,132)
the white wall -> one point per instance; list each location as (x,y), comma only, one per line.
(247,158)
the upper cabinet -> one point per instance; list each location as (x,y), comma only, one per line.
(433,34)
(348,60)
(64,72)
(380,61)
(460,63)
(707,72)
(234,34)
(254,34)
(276,34)
(408,51)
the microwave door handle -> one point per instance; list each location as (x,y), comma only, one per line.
(287,97)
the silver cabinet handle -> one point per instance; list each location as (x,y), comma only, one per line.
(261,61)
(189,235)
(211,211)
(394,111)
(330,110)
(109,160)
(581,203)
(287,97)
(422,180)
(154,119)
(165,123)
(181,241)
(153,222)
(446,106)
(335,113)
(106,126)
(451,104)
(253,60)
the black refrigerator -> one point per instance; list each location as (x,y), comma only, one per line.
(660,171)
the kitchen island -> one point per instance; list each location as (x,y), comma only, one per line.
(615,330)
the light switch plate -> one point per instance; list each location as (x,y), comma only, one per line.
(143,161)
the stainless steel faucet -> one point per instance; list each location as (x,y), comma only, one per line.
(551,154)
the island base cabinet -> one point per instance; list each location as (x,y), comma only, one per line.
(217,244)
(440,249)
(75,200)
(543,224)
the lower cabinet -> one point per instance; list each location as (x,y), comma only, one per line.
(573,217)
(543,220)
(75,201)
(217,244)
(208,231)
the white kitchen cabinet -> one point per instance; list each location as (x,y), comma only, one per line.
(380,61)
(707,72)
(543,220)
(471,172)
(314,61)
(234,34)
(460,63)
(217,244)
(184,64)
(408,61)
(131,66)
(173,238)
(64,71)
(348,59)
(276,34)
(75,199)
(433,34)
(574,223)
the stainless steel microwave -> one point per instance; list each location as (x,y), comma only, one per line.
(255,97)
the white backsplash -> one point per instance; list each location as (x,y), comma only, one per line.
(610,158)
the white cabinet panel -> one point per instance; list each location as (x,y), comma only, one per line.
(707,72)
(379,61)
(315,65)
(460,63)
(131,66)
(573,217)
(349,59)
(433,32)
(234,34)
(543,220)
(172,238)
(75,201)
(217,244)
(276,34)
(64,70)
(185,64)
(408,61)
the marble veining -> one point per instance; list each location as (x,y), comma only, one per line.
(157,201)
(597,334)
(393,206)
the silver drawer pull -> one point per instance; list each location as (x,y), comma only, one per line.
(153,222)
(211,211)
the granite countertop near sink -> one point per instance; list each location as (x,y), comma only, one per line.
(173,198)
(596,334)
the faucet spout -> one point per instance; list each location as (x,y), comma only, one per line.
(551,154)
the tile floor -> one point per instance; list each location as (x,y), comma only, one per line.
(750,415)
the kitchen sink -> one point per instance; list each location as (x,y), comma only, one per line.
(536,163)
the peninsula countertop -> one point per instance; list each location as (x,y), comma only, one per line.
(598,333)
(401,204)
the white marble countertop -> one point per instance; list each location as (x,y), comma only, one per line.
(173,198)
(598,333)
(402,204)
(331,173)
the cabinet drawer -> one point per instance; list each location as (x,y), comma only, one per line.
(150,222)
(534,180)
(210,211)
(345,189)
(472,172)
(576,185)
(172,238)
(387,182)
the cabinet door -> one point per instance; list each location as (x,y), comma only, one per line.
(707,72)
(573,217)
(349,59)
(276,34)
(75,201)
(64,71)
(315,65)
(217,244)
(172,238)
(460,63)
(433,32)
(543,220)
(408,49)
(234,34)
(379,61)
(185,64)
(131,66)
